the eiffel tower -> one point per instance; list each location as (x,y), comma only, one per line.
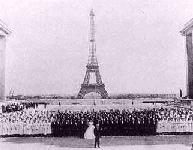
(92,67)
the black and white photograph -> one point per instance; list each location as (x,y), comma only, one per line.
(96,74)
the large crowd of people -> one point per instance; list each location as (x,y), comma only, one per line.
(26,122)
(175,114)
(113,122)
(12,107)
(175,120)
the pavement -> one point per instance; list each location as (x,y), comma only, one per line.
(175,142)
(52,147)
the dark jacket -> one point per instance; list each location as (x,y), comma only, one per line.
(97,132)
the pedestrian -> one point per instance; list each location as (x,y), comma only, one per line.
(97,136)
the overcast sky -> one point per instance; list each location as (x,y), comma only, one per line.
(139,47)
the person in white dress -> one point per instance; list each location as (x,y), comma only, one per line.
(89,134)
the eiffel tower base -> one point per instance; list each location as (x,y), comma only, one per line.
(88,88)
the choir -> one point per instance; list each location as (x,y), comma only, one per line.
(175,120)
(26,122)
(113,122)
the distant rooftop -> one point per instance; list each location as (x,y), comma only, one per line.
(187,27)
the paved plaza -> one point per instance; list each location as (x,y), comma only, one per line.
(176,142)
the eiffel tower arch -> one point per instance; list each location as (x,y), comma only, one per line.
(92,68)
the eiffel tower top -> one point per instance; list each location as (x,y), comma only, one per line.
(92,60)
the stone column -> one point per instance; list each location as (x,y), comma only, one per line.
(187,32)
(189,51)
(2,67)
(3,33)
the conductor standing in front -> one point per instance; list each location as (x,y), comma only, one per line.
(97,136)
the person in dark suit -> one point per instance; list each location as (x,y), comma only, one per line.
(97,135)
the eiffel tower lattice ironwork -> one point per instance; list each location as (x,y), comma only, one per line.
(92,67)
